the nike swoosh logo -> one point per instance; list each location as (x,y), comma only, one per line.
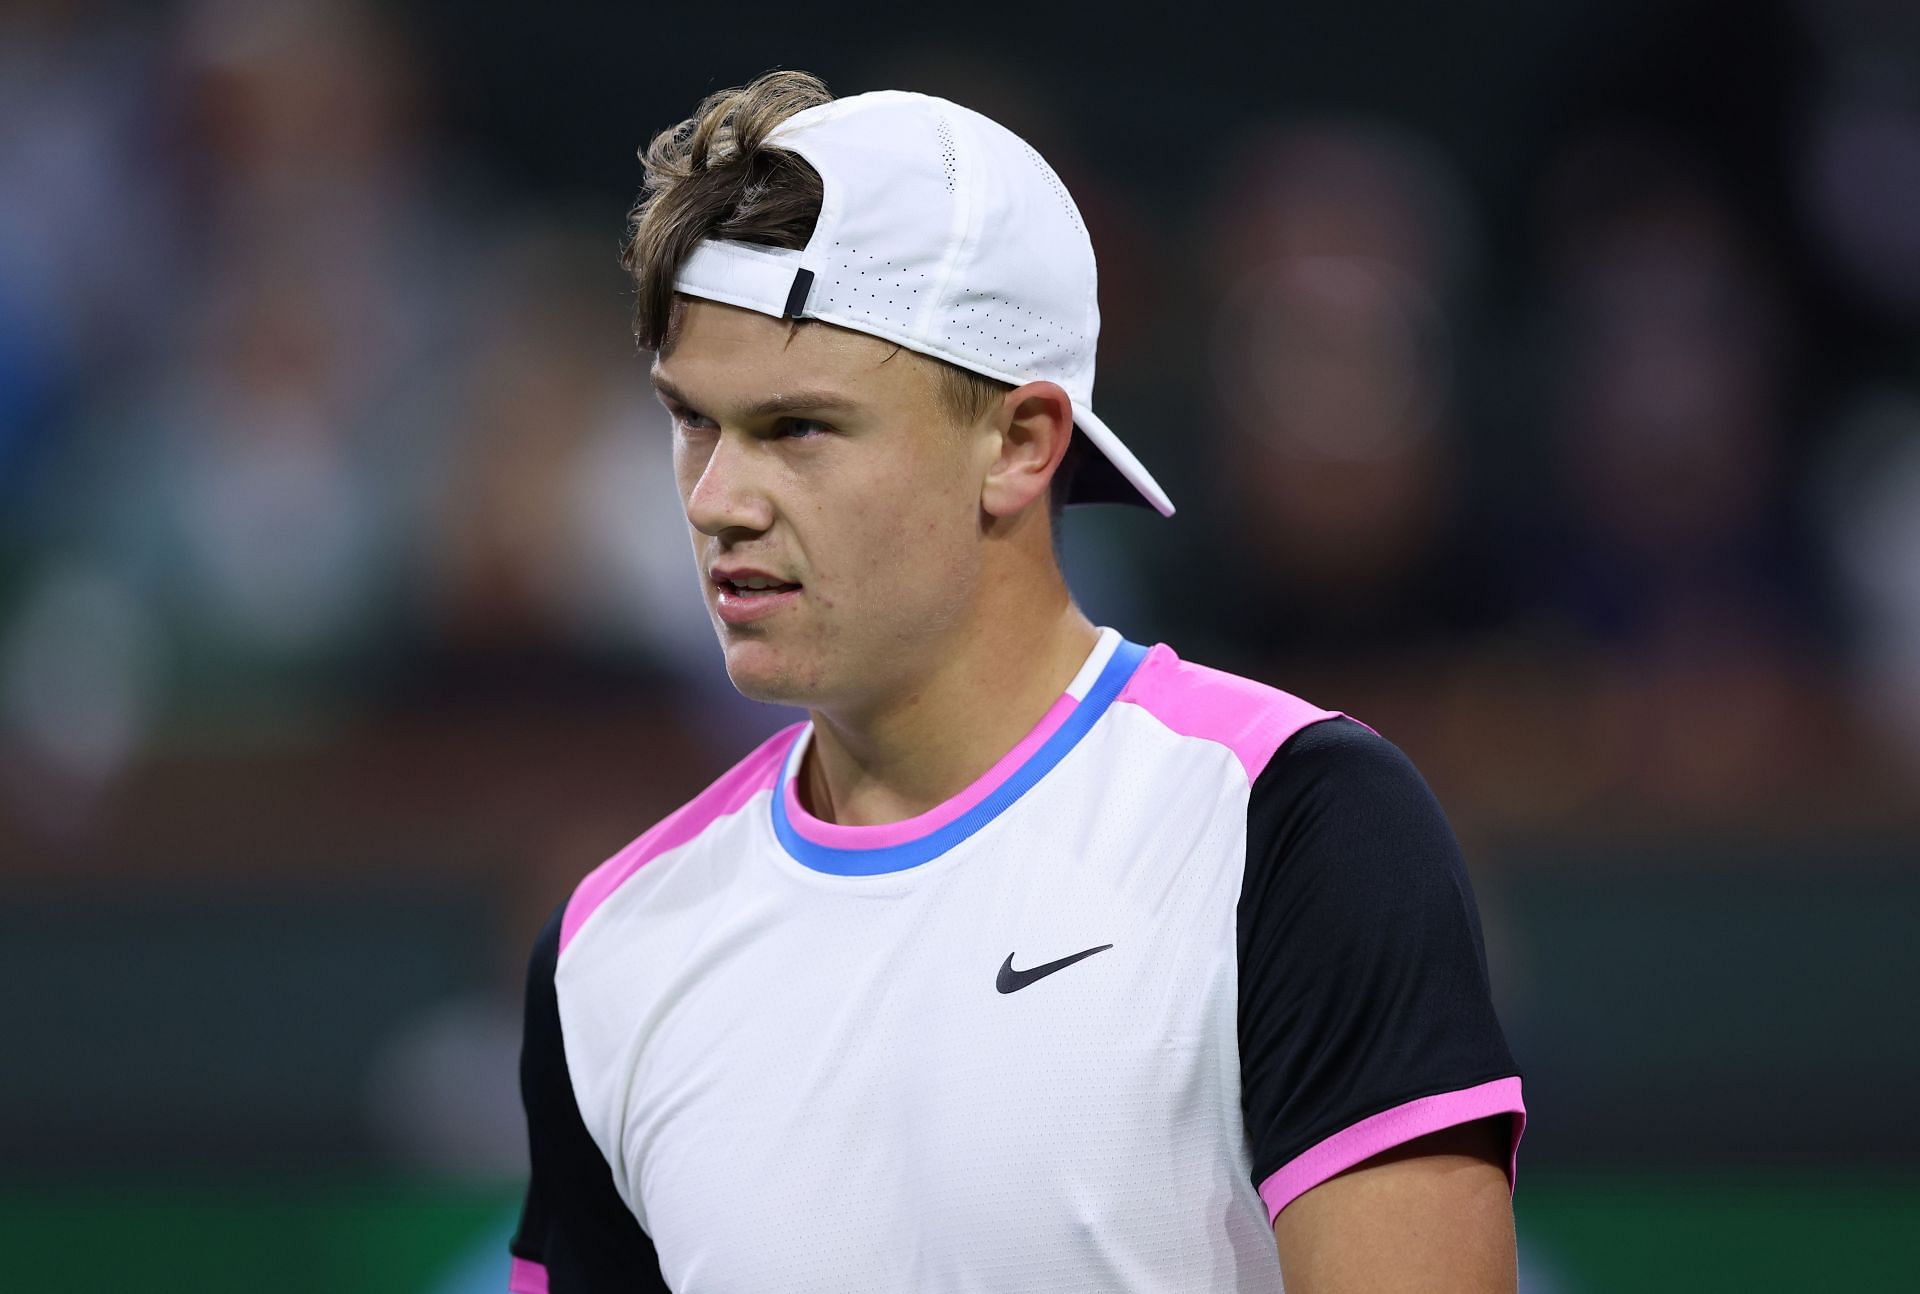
(1012,981)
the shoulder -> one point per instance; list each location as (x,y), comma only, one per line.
(1306,766)
(1349,855)
(732,791)
(1251,719)
(1341,819)
(1338,760)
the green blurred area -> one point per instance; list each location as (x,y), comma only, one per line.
(1578,1236)
(372,1238)
(1586,1235)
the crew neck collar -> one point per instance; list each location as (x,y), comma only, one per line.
(895,846)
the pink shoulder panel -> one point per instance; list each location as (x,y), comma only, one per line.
(739,784)
(1250,718)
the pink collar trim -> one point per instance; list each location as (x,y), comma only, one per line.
(888,834)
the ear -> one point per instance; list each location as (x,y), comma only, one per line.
(1037,423)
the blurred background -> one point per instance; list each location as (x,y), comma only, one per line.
(1538,382)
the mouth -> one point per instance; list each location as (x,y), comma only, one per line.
(750,586)
(742,596)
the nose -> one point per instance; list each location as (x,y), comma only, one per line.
(725,494)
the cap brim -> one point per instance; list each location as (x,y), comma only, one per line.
(1113,475)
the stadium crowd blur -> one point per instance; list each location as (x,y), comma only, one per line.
(1563,424)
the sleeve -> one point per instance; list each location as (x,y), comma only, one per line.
(576,1235)
(1365,1017)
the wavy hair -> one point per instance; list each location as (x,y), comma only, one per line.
(713,176)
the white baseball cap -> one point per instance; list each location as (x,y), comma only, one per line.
(943,231)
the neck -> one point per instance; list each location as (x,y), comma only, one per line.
(906,756)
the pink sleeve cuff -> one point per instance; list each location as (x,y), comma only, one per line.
(1390,1128)
(524,1277)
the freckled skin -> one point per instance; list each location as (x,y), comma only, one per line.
(878,516)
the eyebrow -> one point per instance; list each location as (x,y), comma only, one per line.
(794,402)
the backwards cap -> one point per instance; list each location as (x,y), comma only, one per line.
(943,231)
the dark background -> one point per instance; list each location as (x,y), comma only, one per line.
(1538,382)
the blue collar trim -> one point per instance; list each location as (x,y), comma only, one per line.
(895,858)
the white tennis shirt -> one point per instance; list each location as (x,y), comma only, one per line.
(1192,947)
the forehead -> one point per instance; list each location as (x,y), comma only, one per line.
(722,353)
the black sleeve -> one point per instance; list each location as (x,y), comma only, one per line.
(1363,978)
(573,1223)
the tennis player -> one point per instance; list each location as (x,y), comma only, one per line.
(1037,959)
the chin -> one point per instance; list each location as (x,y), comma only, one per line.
(762,672)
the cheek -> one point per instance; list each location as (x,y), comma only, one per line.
(903,532)
(918,551)
(686,469)
(683,484)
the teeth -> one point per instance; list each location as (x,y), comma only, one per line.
(757,583)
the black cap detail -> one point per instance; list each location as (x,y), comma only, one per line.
(797,294)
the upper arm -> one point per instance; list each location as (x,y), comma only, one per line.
(1366,1021)
(576,1235)
(1430,1215)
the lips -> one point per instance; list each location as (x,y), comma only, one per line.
(758,584)
(749,580)
(746,594)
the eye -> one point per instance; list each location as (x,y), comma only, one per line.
(688,420)
(802,428)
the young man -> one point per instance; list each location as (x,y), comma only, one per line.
(1037,960)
